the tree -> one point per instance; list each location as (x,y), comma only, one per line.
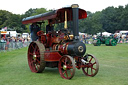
(114,19)
(92,24)
(124,19)
(109,19)
(4,16)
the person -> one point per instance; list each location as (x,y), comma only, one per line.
(49,32)
(34,28)
(49,27)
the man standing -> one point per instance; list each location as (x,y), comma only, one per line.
(49,27)
(34,28)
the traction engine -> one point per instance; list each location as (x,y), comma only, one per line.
(61,48)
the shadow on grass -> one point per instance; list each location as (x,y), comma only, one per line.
(51,70)
(55,72)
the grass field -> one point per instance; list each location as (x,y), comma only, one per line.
(113,62)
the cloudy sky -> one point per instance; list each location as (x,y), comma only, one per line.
(21,6)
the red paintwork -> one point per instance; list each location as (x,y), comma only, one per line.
(52,56)
(61,14)
(61,47)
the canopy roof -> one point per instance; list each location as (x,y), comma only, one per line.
(57,16)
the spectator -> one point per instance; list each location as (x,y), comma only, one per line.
(3,40)
(34,28)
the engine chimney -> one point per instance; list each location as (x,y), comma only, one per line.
(75,12)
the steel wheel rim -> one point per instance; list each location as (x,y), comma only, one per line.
(66,67)
(92,66)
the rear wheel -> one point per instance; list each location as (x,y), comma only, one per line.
(66,67)
(91,67)
(113,42)
(36,57)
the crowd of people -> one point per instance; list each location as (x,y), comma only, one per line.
(123,39)
(88,39)
(14,39)
(13,42)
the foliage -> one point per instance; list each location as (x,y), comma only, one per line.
(110,19)
(92,24)
(10,20)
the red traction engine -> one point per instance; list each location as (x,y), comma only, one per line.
(61,48)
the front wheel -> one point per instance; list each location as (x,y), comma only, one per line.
(66,67)
(96,42)
(91,67)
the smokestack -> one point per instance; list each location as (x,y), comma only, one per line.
(75,12)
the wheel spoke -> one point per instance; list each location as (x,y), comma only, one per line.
(93,68)
(66,74)
(35,48)
(69,67)
(90,60)
(70,71)
(87,70)
(32,47)
(38,66)
(35,67)
(32,63)
(30,53)
(94,63)
(91,71)
(65,61)
(37,52)
(38,61)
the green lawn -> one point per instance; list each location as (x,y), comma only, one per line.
(113,62)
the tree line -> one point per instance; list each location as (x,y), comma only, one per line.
(110,19)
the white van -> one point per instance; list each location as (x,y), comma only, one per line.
(25,35)
(123,33)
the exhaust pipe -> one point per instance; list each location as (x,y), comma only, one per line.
(75,12)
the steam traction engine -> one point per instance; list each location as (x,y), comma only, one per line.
(108,41)
(61,48)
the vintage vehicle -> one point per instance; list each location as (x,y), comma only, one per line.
(108,41)
(61,48)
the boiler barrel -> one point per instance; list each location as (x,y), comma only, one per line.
(71,48)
